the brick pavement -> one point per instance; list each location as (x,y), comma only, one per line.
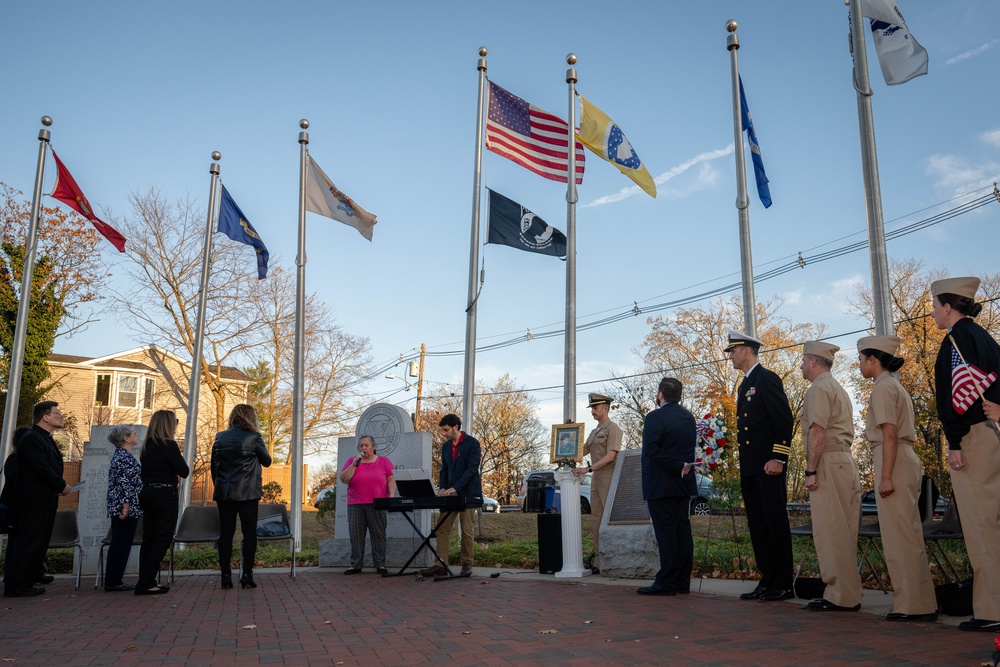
(324,618)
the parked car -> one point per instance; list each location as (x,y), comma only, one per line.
(490,505)
(548,478)
(701,503)
(323,494)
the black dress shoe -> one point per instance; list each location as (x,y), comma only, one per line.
(155,590)
(754,594)
(381,570)
(595,570)
(655,590)
(353,570)
(979,625)
(826,605)
(776,594)
(23,593)
(915,618)
(45,579)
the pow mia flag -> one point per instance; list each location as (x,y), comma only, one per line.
(513,225)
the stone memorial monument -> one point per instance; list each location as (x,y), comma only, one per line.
(628,546)
(392,429)
(92,512)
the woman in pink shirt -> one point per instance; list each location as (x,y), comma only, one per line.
(368,476)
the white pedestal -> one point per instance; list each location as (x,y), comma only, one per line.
(572,537)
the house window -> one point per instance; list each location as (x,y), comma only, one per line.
(147,396)
(103,394)
(128,391)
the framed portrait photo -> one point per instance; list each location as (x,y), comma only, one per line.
(567,443)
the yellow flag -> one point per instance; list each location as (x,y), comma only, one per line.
(603,136)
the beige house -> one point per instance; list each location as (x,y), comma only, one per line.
(127,387)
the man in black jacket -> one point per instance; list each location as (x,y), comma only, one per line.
(668,440)
(764,431)
(36,498)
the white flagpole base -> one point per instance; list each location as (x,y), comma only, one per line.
(572,536)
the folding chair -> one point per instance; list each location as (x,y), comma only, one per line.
(949,528)
(805,530)
(275,512)
(66,535)
(106,542)
(198,524)
(870,532)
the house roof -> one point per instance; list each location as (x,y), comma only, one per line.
(117,360)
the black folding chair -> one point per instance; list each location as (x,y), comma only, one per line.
(949,528)
(198,524)
(66,535)
(869,532)
(275,513)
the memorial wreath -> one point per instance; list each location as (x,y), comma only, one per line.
(711,442)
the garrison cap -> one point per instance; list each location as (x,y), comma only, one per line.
(736,339)
(966,286)
(598,399)
(883,343)
(819,349)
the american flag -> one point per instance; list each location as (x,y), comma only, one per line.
(531,137)
(964,381)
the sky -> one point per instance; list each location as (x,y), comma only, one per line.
(142,94)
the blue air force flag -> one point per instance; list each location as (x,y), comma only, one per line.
(763,191)
(899,55)
(234,224)
(512,224)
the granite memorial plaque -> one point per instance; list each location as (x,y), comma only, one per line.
(628,546)
(628,506)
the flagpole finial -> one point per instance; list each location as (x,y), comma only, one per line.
(304,124)
(46,121)
(482,52)
(731,25)
(571,59)
(216,155)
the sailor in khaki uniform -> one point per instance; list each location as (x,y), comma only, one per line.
(973,448)
(603,446)
(832,479)
(898,471)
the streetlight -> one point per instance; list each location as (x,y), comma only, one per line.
(409,384)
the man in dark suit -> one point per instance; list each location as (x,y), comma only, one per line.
(460,459)
(36,499)
(764,426)
(668,440)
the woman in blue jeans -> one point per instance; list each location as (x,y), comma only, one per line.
(162,464)
(237,457)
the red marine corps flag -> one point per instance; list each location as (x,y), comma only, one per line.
(68,192)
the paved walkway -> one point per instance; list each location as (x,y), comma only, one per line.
(325,618)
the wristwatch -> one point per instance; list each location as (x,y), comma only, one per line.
(810,473)
(590,468)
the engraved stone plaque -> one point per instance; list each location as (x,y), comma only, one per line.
(628,506)
(386,424)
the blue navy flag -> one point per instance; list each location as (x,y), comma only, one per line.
(235,225)
(758,164)
(512,224)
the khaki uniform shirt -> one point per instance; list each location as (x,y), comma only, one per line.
(604,439)
(890,404)
(827,404)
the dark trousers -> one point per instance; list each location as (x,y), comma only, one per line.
(26,549)
(765,499)
(228,511)
(159,520)
(122,535)
(672,528)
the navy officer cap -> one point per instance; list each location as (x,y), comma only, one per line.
(736,339)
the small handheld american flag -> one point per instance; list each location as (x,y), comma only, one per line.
(967,382)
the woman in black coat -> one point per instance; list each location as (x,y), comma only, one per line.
(162,463)
(237,457)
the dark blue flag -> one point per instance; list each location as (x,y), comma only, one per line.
(235,225)
(758,164)
(512,224)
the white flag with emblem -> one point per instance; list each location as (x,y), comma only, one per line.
(899,55)
(323,197)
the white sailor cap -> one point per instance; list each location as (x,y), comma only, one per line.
(736,339)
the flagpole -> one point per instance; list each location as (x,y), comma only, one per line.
(877,256)
(469,376)
(742,201)
(194,393)
(24,301)
(298,372)
(569,359)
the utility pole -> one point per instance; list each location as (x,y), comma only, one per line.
(420,386)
